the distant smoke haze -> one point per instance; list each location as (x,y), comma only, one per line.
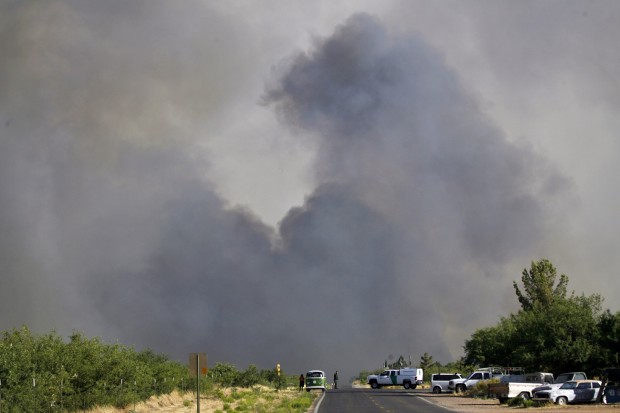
(112,221)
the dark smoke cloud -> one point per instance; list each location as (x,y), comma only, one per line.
(109,226)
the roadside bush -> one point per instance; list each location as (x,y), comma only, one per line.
(224,374)
(39,371)
(249,378)
(481,389)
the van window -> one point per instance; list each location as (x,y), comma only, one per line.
(442,377)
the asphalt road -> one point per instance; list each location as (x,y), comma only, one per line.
(382,400)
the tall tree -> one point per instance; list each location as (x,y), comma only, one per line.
(539,284)
(426,361)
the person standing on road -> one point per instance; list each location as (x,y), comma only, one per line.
(336,379)
(301,382)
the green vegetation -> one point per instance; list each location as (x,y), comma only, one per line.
(47,373)
(481,389)
(259,400)
(520,402)
(37,372)
(553,331)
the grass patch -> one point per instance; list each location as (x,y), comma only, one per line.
(263,400)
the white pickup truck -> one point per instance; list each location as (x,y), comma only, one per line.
(409,378)
(518,385)
(486,373)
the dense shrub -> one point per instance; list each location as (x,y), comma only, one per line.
(41,371)
(481,389)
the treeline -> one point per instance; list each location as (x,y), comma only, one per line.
(47,373)
(227,375)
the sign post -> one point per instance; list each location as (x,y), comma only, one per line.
(198,366)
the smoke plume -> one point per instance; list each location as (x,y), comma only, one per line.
(111,224)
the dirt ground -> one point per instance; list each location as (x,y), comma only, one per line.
(468,405)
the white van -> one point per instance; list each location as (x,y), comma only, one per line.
(439,381)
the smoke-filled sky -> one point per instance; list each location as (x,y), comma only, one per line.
(318,184)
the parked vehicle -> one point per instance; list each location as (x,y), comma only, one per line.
(519,385)
(486,373)
(440,381)
(409,378)
(577,391)
(315,379)
(561,379)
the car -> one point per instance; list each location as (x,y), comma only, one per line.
(315,379)
(439,381)
(574,391)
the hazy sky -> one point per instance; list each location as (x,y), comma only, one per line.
(318,184)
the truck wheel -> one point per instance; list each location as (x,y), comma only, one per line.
(460,388)
(436,389)
(407,385)
(374,385)
(562,401)
(524,395)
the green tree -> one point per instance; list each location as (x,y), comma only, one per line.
(539,284)
(609,339)
(492,346)
(427,362)
(248,378)
(225,374)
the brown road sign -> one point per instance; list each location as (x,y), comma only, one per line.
(201,365)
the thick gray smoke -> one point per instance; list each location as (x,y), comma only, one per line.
(108,224)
